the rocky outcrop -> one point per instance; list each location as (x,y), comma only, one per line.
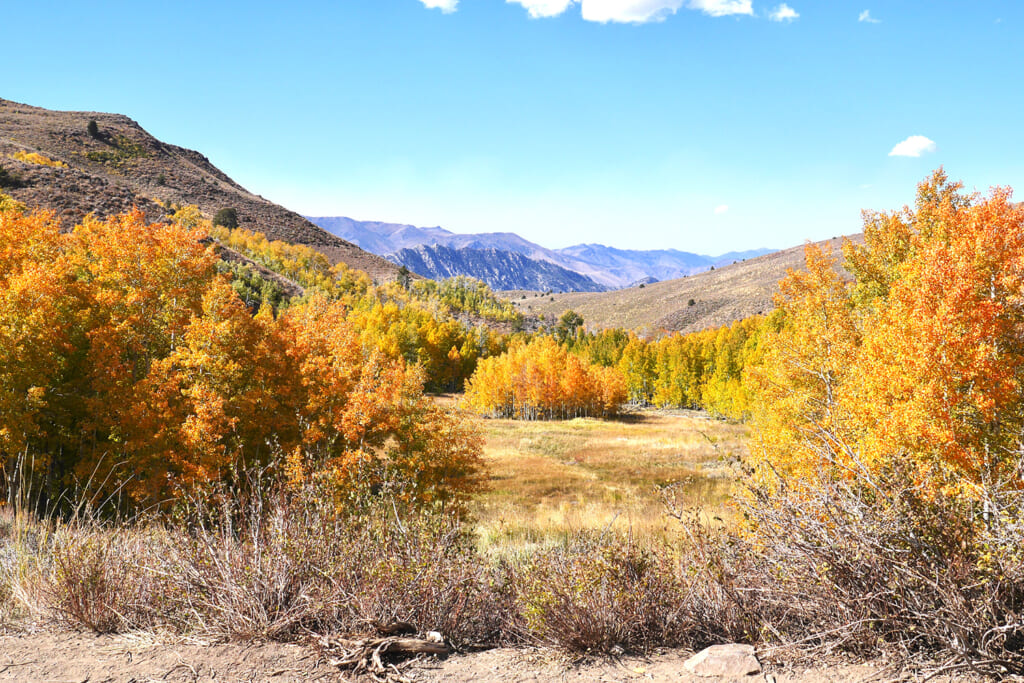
(500,269)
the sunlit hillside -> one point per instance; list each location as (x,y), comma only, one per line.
(698,302)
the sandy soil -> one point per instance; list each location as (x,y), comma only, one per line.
(76,657)
(67,657)
(540,666)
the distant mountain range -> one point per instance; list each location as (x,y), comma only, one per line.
(504,260)
(499,268)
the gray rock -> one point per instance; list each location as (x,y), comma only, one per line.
(725,661)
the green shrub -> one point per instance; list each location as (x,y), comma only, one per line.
(8,179)
(404,277)
(122,149)
(252,288)
(226,217)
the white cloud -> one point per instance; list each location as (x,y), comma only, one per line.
(543,8)
(914,146)
(866,18)
(721,208)
(628,11)
(783,13)
(721,8)
(634,11)
(446,6)
(643,11)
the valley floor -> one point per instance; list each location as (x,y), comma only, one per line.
(550,479)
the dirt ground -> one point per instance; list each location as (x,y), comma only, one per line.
(79,658)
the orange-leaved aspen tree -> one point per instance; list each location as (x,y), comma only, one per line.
(366,423)
(542,380)
(918,364)
(131,371)
(41,333)
(940,376)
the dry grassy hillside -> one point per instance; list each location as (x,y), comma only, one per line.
(120,165)
(719,296)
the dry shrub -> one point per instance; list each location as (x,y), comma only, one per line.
(278,564)
(599,595)
(604,593)
(13,560)
(105,579)
(253,580)
(422,569)
(893,569)
(292,563)
(889,570)
(25,562)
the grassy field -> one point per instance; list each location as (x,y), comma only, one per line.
(551,478)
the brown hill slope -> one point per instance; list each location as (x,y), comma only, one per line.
(123,166)
(719,296)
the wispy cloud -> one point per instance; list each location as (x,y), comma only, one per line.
(914,146)
(543,8)
(721,208)
(783,13)
(446,6)
(866,18)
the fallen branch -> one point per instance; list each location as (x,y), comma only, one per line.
(376,657)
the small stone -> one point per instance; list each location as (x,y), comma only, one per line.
(726,661)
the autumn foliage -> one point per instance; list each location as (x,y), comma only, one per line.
(917,365)
(542,380)
(131,368)
(38,159)
(700,370)
(420,324)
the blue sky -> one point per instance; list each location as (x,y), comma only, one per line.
(701,125)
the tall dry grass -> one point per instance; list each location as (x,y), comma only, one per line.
(549,481)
